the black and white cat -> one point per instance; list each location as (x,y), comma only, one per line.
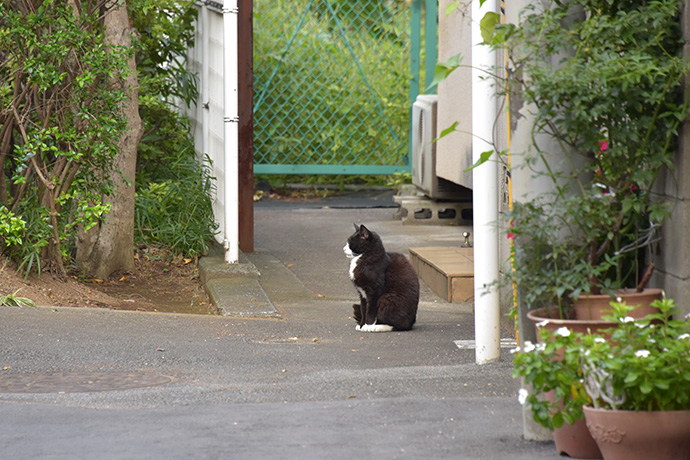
(387,284)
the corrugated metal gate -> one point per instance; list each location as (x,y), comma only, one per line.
(334,82)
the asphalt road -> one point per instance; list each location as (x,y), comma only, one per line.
(98,384)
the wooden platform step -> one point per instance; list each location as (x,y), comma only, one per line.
(447,270)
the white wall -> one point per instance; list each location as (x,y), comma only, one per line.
(215,108)
(454,152)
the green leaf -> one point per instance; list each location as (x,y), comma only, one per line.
(631,377)
(646,387)
(447,131)
(501,33)
(452,6)
(488,24)
(443,69)
(483,158)
(662,384)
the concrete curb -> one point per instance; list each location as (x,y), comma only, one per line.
(235,289)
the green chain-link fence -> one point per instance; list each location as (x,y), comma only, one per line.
(332,86)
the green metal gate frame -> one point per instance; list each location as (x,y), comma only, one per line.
(263,104)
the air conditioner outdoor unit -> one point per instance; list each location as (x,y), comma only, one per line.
(424,151)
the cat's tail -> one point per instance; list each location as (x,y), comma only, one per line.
(357,315)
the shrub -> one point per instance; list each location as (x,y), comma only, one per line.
(177,213)
(60,125)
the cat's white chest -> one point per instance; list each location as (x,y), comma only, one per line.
(353,260)
(353,265)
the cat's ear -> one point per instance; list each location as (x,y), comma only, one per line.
(356,227)
(364,231)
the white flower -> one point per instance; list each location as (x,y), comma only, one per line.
(619,299)
(529,346)
(563,331)
(541,346)
(628,319)
(543,323)
(642,353)
(515,350)
(600,340)
(684,336)
(522,396)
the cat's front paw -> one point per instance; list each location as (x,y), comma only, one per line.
(374,328)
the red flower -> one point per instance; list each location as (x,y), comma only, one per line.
(603,145)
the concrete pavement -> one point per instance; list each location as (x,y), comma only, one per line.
(284,375)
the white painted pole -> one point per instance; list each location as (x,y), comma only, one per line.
(231,130)
(485,195)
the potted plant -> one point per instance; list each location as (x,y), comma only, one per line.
(638,380)
(603,83)
(631,379)
(552,372)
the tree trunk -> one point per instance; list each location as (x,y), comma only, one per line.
(109,246)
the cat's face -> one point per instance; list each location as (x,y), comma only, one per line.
(358,242)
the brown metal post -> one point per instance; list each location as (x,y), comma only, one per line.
(246,128)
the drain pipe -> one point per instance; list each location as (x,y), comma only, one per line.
(231,131)
(487,330)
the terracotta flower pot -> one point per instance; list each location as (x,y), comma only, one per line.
(575,441)
(595,307)
(550,320)
(630,435)
(572,440)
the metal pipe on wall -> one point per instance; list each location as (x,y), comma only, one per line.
(231,130)
(487,313)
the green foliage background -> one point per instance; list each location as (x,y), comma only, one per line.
(604,82)
(173,205)
(60,124)
(315,103)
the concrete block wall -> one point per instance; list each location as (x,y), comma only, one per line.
(672,255)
